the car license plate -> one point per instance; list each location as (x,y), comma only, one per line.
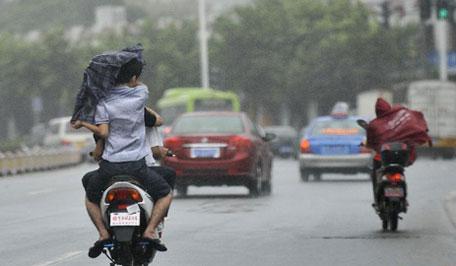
(205,152)
(285,149)
(124,219)
(394,192)
(335,150)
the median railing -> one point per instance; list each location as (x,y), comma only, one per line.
(37,159)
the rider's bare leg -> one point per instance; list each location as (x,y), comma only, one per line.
(159,211)
(94,212)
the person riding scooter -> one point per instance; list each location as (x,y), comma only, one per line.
(394,124)
(119,119)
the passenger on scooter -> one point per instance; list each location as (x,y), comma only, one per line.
(154,143)
(119,119)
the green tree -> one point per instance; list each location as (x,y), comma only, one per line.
(297,52)
(171,56)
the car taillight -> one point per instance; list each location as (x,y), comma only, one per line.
(395,177)
(123,194)
(305,146)
(240,143)
(173,143)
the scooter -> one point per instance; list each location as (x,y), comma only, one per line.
(391,192)
(126,208)
(391,189)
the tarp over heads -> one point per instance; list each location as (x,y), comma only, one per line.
(99,78)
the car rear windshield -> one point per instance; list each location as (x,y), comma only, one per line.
(208,124)
(337,127)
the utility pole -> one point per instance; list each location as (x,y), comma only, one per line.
(386,14)
(441,37)
(204,57)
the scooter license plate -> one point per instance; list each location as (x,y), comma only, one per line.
(394,192)
(124,219)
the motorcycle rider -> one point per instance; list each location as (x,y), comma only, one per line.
(381,108)
(119,120)
(411,133)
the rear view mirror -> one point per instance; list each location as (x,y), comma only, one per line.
(269,136)
(362,123)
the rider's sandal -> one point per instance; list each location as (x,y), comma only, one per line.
(97,248)
(155,243)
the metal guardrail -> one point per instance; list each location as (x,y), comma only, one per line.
(37,159)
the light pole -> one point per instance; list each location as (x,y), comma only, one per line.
(204,57)
(441,34)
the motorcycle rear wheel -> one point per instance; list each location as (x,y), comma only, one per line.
(393,221)
(127,256)
(385,224)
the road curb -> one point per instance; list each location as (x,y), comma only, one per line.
(450,207)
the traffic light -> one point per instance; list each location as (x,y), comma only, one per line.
(425,9)
(442,9)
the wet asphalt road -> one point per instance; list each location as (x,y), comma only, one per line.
(43,222)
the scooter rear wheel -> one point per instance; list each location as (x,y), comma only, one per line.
(385,224)
(394,217)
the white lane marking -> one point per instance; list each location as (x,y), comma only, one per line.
(450,207)
(38,192)
(65,257)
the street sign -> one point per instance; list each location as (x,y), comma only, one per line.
(433,58)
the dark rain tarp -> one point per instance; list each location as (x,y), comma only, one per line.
(99,78)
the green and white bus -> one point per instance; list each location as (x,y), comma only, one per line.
(182,100)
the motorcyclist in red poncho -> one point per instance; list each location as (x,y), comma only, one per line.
(394,124)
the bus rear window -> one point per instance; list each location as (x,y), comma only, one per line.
(208,124)
(213,105)
(172,112)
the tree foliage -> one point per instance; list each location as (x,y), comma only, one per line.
(52,68)
(272,52)
(278,51)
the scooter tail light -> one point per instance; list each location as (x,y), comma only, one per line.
(395,177)
(122,206)
(135,196)
(123,194)
(111,196)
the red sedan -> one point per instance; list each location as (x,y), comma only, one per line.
(219,148)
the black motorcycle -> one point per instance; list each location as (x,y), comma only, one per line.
(391,189)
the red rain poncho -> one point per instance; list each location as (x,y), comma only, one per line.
(397,124)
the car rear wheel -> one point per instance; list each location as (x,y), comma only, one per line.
(256,184)
(182,190)
(267,187)
(317,176)
(304,175)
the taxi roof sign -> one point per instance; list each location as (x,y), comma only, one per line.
(340,109)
